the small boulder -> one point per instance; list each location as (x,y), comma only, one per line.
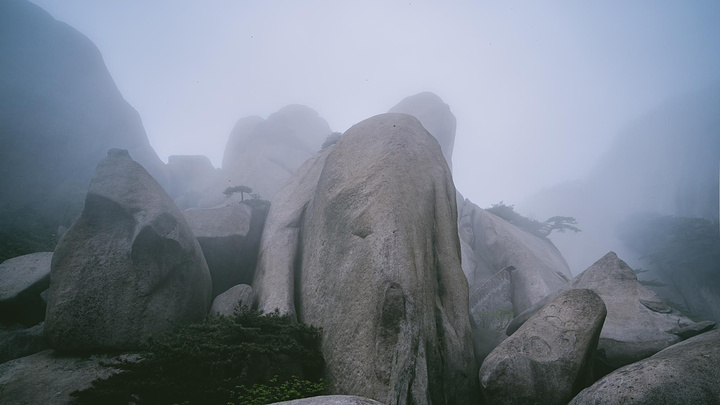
(129,267)
(226,303)
(331,400)
(549,359)
(22,279)
(21,342)
(686,373)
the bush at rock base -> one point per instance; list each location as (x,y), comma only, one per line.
(215,361)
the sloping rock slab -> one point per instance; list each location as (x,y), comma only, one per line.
(22,279)
(686,373)
(549,359)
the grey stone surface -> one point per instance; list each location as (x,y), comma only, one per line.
(60,112)
(263,154)
(490,244)
(331,400)
(549,359)
(685,373)
(227,244)
(48,377)
(22,279)
(21,342)
(435,116)
(379,268)
(226,303)
(127,268)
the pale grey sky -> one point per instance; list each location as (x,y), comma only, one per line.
(539,88)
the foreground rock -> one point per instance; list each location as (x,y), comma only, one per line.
(22,279)
(226,303)
(228,242)
(549,359)
(331,400)
(685,373)
(127,268)
(379,267)
(48,377)
(638,323)
(21,342)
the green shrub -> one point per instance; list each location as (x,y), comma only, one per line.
(205,363)
(537,228)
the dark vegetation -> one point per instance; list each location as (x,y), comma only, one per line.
(247,358)
(238,189)
(541,229)
(330,140)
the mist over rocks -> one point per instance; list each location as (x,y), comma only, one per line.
(129,267)
(549,359)
(262,154)
(60,112)
(377,266)
(191,179)
(435,116)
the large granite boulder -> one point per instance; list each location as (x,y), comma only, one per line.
(60,112)
(129,267)
(229,236)
(490,245)
(331,400)
(226,303)
(549,359)
(435,116)
(262,154)
(638,323)
(376,264)
(49,377)
(22,279)
(686,373)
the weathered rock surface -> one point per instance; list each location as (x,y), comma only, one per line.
(60,112)
(435,116)
(331,400)
(377,266)
(191,180)
(48,377)
(685,373)
(22,279)
(127,268)
(20,342)
(226,303)
(229,246)
(549,359)
(262,154)
(638,323)
(491,244)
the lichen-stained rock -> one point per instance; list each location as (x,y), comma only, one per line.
(127,268)
(686,373)
(377,266)
(549,359)
(22,279)
(226,303)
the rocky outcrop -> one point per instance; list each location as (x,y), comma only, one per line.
(49,378)
(685,373)
(331,400)
(236,297)
(374,260)
(192,180)
(490,245)
(22,279)
(20,342)
(229,243)
(638,323)
(549,359)
(435,116)
(127,268)
(60,112)
(262,154)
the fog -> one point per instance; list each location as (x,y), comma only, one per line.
(539,89)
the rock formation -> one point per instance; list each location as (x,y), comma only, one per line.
(331,400)
(376,264)
(435,116)
(128,267)
(18,342)
(549,359)
(262,154)
(237,296)
(685,373)
(60,112)
(22,279)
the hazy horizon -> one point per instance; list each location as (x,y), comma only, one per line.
(539,90)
